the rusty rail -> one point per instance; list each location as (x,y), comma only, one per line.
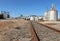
(55,30)
(33,33)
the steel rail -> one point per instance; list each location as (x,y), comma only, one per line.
(55,30)
(33,33)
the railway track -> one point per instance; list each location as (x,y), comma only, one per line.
(42,32)
(34,34)
(55,30)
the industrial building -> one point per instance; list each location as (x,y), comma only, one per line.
(51,15)
(4,15)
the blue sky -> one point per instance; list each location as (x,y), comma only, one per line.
(28,7)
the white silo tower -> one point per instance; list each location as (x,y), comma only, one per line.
(45,16)
(53,14)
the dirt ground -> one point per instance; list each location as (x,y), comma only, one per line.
(53,24)
(6,25)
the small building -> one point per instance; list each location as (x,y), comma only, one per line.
(35,18)
(40,17)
